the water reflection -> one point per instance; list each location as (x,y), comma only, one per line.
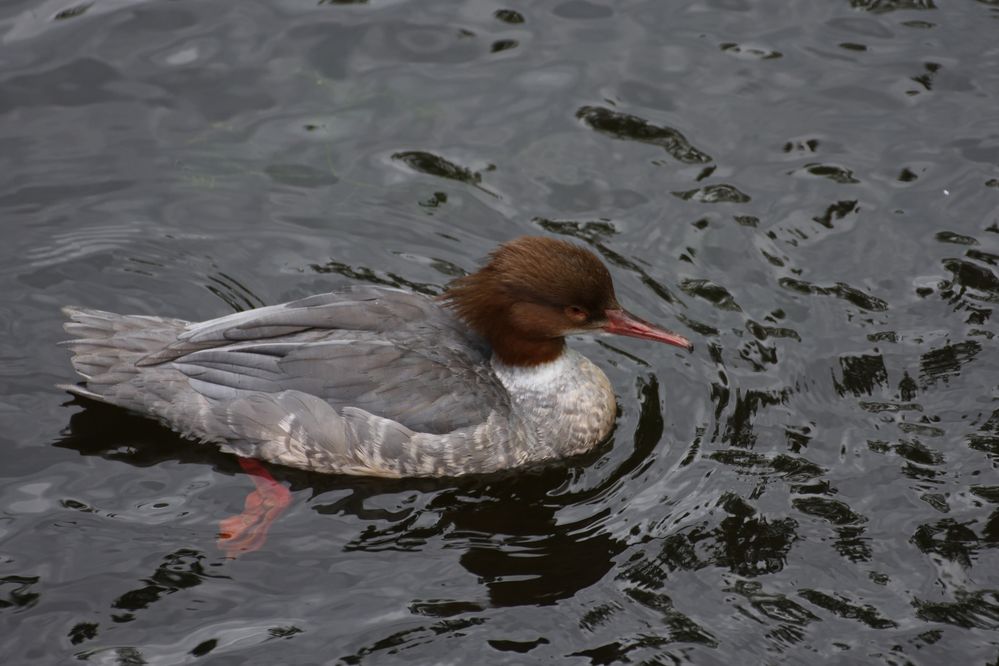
(180,570)
(533,561)
(625,126)
(742,541)
(17,592)
(811,191)
(986,437)
(503,528)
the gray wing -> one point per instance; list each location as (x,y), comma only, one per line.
(361,308)
(394,354)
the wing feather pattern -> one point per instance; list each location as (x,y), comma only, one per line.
(389,352)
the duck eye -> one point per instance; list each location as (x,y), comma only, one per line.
(576,313)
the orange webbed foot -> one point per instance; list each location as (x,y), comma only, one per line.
(247,532)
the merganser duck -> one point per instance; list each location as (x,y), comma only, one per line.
(380,381)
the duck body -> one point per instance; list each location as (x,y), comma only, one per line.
(370,380)
(373,380)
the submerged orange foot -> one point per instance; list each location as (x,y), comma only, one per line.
(247,532)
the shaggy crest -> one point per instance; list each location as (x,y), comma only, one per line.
(518,300)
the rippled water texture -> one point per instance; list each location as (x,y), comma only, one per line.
(808,190)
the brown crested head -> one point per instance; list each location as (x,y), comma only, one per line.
(533,291)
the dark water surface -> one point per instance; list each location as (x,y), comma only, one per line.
(809,190)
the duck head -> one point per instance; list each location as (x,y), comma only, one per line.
(533,291)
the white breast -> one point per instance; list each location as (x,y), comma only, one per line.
(569,400)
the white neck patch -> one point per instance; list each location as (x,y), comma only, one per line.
(535,378)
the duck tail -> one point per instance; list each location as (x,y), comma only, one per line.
(106,347)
